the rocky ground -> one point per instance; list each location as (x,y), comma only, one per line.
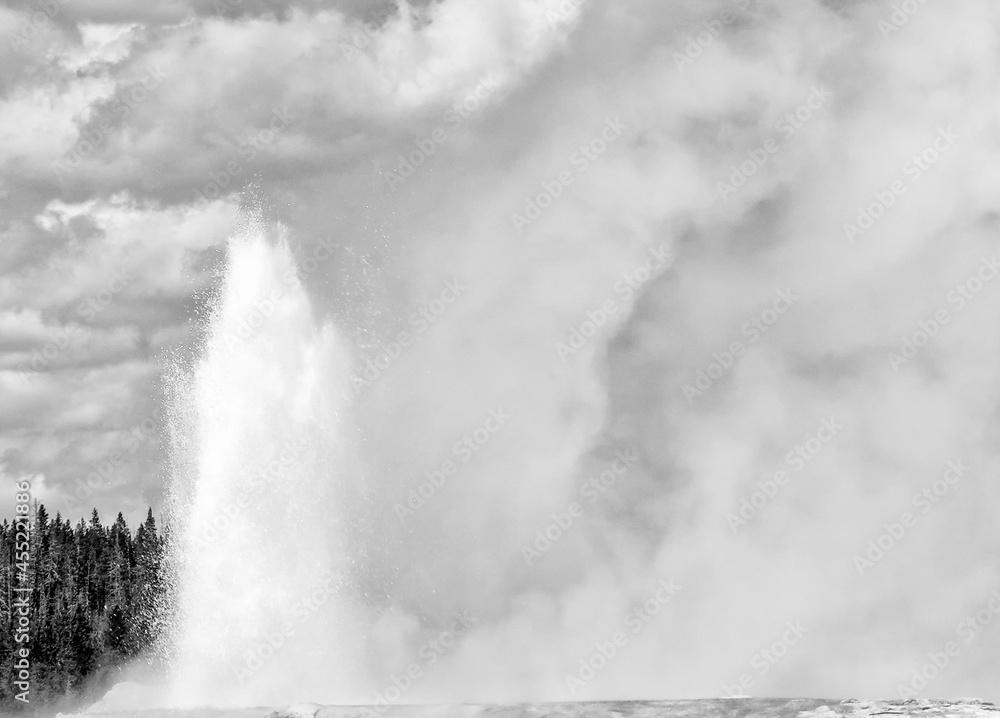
(703,708)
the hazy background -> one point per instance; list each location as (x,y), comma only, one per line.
(126,228)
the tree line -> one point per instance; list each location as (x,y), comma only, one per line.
(92,595)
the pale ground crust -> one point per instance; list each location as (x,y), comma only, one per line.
(702,708)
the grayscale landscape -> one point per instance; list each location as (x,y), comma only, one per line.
(500,358)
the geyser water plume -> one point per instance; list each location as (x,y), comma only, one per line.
(262,615)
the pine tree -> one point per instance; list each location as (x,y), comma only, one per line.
(148,585)
(94,604)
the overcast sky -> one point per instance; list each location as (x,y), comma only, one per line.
(740,240)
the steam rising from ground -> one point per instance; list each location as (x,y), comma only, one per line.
(680,268)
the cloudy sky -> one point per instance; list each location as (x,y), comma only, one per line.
(742,250)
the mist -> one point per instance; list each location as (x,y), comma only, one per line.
(772,284)
(669,330)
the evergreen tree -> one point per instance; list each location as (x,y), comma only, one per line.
(95,599)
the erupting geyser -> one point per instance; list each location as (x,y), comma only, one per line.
(262,608)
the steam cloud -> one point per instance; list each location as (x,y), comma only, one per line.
(714,153)
(876,98)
